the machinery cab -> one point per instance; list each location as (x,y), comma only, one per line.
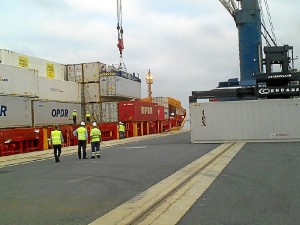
(280,79)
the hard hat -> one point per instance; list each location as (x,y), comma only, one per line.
(82,123)
(120,122)
(94,124)
(87,112)
(74,110)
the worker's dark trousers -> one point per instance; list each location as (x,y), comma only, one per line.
(95,148)
(74,119)
(82,144)
(57,152)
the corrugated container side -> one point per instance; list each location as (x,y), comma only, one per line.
(59,90)
(18,81)
(92,92)
(74,72)
(52,112)
(163,101)
(137,111)
(45,68)
(109,112)
(255,120)
(92,71)
(95,110)
(120,86)
(160,112)
(15,112)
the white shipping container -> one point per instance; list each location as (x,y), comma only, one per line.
(95,110)
(15,112)
(18,81)
(59,90)
(120,87)
(91,71)
(163,101)
(109,112)
(92,92)
(45,68)
(251,121)
(74,72)
(51,112)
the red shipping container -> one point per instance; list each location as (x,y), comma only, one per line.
(160,112)
(137,111)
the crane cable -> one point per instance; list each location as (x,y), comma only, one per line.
(265,32)
(119,27)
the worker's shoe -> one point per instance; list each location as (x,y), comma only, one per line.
(92,157)
(98,156)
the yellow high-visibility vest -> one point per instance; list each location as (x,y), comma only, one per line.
(56,137)
(95,134)
(81,133)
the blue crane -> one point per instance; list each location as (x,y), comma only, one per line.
(248,21)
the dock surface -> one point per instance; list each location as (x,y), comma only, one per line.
(259,185)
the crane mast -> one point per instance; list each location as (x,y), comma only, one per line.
(248,22)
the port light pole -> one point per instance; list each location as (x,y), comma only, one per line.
(149,81)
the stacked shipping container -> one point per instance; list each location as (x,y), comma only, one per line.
(40,93)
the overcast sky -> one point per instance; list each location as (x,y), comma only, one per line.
(189,45)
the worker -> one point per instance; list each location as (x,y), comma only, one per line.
(56,141)
(121,130)
(82,135)
(88,117)
(74,114)
(95,135)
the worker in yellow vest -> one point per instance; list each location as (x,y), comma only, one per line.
(82,135)
(121,130)
(74,115)
(88,117)
(56,140)
(95,135)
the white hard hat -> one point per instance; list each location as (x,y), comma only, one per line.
(74,110)
(82,123)
(120,122)
(94,124)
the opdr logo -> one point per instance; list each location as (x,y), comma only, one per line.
(60,113)
(3,109)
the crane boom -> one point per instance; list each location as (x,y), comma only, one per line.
(230,6)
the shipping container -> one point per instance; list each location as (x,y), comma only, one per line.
(250,121)
(74,72)
(52,112)
(15,112)
(92,92)
(109,112)
(59,90)
(120,87)
(91,71)
(45,68)
(163,101)
(18,81)
(137,111)
(95,110)
(160,112)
